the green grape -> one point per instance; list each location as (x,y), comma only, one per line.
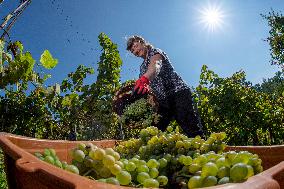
(90,146)
(142,162)
(124,178)
(142,176)
(241,158)
(253,161)
(150,183)
(120,164)
(142,168)
(108,160)
(136,156)
(224,180)
(197,173)
(201,160)
(163,180)
(49,159)
(152,163)
(195,155)
(181,150)
(142,149)
(153,172)
(130,166)
(88,162)
(163,162)
(38,155)
(230,155)
(102,180)
(116,156)
(81,146)
(196,145)
(97,164)
(64,164)
(55,158)
(46,152)
(191,153)
(168,157)
(238,172)
(170,129)
(124,161)
(115,169)
(193,168)
(181,158)
(52,152)
(187,160)
(250,172)
(221,162)
(179,144)
(209,169)
(109,151)
(72,169)
(78,155)
(212,156)
(174,161)
(58,163)
(104,172)
(209,181)
(112,180)
(97,154)
(153,130)
(195,182)
(187,144)
(204,147)
(223,172)
(258,169)
(222,135)
(134,160)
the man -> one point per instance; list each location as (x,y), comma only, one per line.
(173,94)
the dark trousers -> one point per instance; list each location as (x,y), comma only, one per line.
(179,106)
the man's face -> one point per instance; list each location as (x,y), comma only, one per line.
(138,49)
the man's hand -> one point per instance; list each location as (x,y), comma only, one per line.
(142,85)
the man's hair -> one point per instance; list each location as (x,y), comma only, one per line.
(136,38)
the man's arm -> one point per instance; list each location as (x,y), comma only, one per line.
(154,67)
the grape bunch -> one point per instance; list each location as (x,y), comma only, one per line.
(192,162)
(105,165)
(166,159)
(49,156)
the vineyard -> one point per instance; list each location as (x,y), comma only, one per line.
(71,110)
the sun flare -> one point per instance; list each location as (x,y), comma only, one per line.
(212,18)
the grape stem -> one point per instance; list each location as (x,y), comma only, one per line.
(89,171)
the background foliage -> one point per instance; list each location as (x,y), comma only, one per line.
(70,110)
(73,110)
(232,105)
(276,37)
(250,115)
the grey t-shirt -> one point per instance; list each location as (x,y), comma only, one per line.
(167,82)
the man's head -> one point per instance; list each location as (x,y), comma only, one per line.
(137,46)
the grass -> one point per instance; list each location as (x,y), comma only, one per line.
(3,180)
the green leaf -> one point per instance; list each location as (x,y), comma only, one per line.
(19,45)
(46,76)
(66,101)
(47,60)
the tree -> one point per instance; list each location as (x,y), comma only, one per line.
(276,37)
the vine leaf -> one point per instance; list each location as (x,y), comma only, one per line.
(47,60)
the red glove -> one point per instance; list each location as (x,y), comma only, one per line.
(142,85)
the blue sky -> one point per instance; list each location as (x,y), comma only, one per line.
(69,30)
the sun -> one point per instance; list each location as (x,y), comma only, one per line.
(212,18)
